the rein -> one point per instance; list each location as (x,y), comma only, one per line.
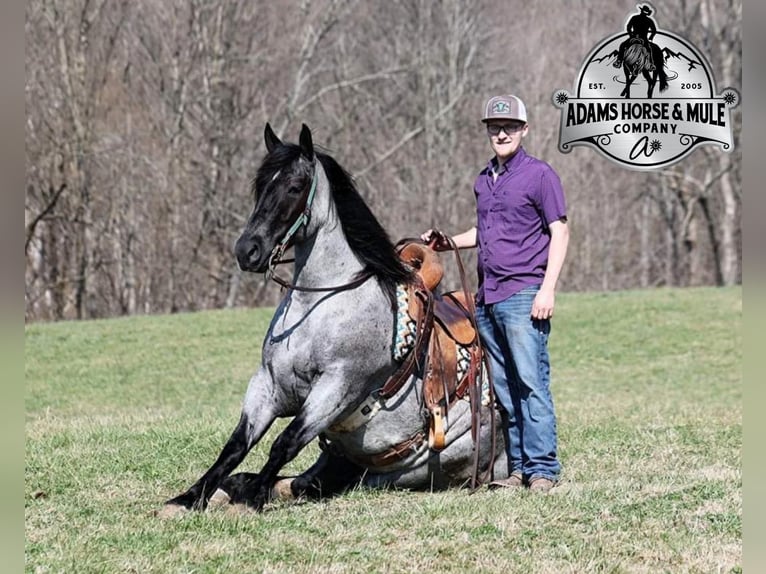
(279,250)
(474,390)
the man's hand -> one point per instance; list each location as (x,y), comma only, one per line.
(435,240)
(542,307)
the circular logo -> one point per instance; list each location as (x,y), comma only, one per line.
(645,98)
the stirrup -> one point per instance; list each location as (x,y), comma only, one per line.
(436,439)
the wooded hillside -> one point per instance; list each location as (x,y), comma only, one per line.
(145,123)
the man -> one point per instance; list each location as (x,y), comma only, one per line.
(522,237)
(640,28)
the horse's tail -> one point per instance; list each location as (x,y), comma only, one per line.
(663,77)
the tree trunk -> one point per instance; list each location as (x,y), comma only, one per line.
(730,255)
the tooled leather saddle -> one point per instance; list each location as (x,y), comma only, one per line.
(452,356)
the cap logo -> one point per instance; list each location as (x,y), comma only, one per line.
(501,108)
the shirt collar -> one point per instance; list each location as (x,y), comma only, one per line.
(510,165)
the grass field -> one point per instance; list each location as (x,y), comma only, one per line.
(121,414)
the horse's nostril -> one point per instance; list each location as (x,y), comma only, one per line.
(247,253)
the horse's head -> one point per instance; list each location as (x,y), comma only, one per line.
(282,187)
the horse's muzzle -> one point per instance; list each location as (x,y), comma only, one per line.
(250,256)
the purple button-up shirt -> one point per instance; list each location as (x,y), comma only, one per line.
(513,214)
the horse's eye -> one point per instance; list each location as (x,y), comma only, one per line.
(294,189)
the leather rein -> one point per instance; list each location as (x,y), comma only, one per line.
(279,250)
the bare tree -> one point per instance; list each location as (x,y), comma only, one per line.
(74,46)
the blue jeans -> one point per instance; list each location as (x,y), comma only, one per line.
(517,346)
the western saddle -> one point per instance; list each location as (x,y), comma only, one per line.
(445,332)
(447,352)
(447,348)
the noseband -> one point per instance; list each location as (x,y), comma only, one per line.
(279,250)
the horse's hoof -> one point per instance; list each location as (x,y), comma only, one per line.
(282,489)
(171,511)
(219,498)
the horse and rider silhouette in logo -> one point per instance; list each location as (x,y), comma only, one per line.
(639,55)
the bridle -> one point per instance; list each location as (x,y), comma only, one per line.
(279,249)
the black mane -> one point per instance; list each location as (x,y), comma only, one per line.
(366,237)
(364,234)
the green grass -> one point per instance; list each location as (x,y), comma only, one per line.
(122,414)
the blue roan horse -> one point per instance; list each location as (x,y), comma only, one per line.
(327,354)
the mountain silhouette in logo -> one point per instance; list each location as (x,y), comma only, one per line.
(610,56)
(666,52)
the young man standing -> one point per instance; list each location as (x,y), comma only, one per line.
(522,236)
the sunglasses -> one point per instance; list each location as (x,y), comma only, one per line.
(509,129)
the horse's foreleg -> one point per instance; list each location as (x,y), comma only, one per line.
(238,487)
(651,80)
(328,476)
(240,442)
(256,418)
(287,446)
(628,81)
(242,487)
(321,407)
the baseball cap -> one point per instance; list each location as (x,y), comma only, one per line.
(505,108)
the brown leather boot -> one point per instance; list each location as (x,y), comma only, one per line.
(541,484)
(513,481)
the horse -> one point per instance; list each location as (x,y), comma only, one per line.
(649,62)
(328,352)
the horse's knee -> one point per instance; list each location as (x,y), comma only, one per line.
(246,488)
(329,476)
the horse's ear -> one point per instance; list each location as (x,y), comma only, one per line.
(307,145)
(271,138)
